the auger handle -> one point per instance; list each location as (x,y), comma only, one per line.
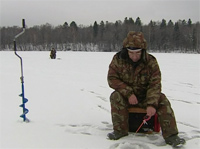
(24,26)
(23,23)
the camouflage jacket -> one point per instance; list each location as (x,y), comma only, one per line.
(144,80)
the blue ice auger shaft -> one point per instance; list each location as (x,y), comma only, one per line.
(24,100)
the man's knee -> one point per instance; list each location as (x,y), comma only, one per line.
(115,96)
(164,107)
(163,101)
(117,100)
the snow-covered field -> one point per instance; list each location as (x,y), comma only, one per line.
(69,101)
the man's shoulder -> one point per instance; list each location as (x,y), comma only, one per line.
(150,57)
(152,61)
(117,56)
(118,60)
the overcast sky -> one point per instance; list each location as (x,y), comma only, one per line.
(86,12)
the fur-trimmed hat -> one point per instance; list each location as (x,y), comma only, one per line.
(134,41)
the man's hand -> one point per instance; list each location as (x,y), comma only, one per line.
(133,100)
(151,111)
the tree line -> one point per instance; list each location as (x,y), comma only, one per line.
(161,36)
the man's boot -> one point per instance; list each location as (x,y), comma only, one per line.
(175,141)
(115,135)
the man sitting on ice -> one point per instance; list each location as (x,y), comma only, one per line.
(136,78)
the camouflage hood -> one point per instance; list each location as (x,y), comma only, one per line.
(135,40)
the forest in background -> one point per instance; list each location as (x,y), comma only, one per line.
(162,36)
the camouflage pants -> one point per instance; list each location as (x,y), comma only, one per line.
(120,114)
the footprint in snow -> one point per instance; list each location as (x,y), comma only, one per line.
(103,108)
(87,129)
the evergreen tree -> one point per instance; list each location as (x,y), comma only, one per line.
(184,23)
(130,21)
(138,22)
(163,24)
(65,25)
(176,35)
(170,23)
(73,25)
(164,37)
(126,21)
(152,35)
(189,23)
(95,29)
(194,39)
(73,29)
(102,29)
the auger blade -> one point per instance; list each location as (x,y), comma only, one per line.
(23,116)
(25,100)
(25,112)
(22,105)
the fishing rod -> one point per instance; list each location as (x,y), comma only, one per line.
(24,100)
(145,119)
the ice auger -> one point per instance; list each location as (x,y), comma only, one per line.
(24,100)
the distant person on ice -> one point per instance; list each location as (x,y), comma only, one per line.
(135,76)
(53,54)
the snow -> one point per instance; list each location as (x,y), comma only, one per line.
(69,101)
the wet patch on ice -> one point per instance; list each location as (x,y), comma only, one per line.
(128,145)
(155,138)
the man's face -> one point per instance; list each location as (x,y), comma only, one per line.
(135,55)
